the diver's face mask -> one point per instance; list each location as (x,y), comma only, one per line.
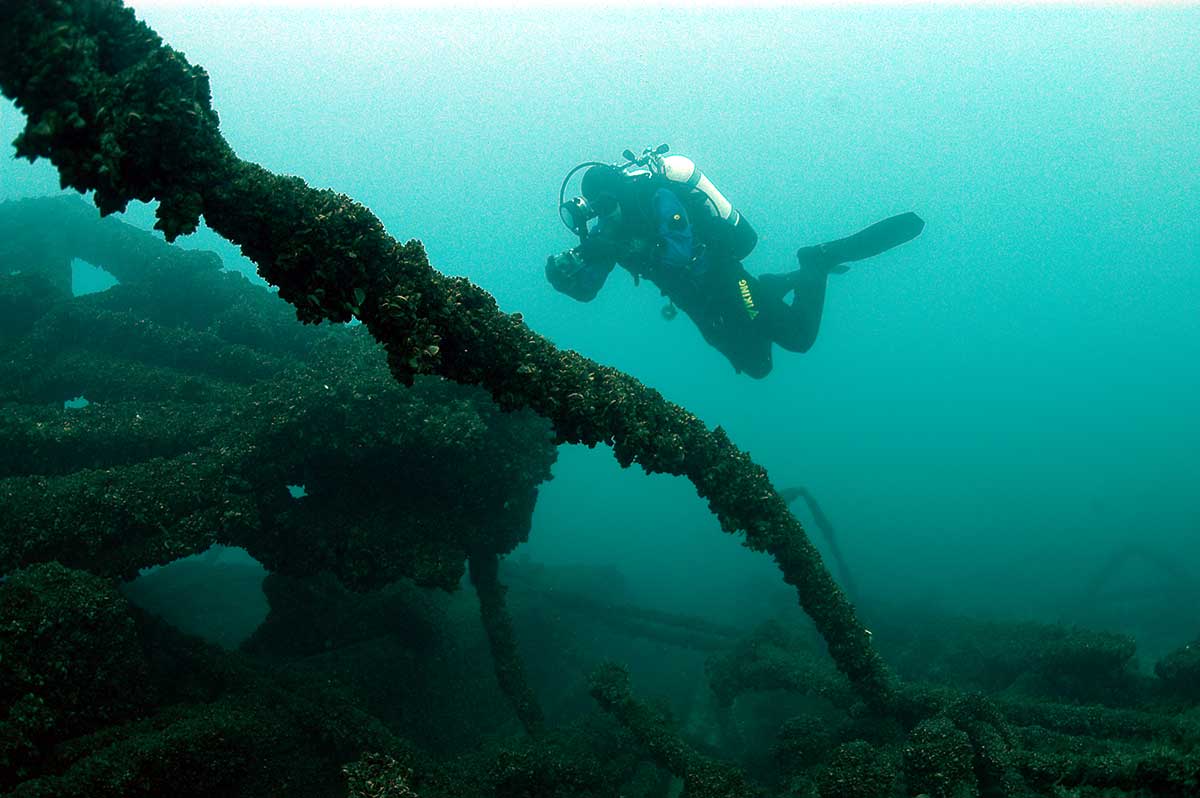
(578,211)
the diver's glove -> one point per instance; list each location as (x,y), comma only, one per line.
(564,266)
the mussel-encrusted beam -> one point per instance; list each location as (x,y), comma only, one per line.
(702,777)
(497,623)
(121,114)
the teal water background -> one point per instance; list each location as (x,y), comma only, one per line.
(989,412)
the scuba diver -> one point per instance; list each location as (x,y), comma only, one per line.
(659,217)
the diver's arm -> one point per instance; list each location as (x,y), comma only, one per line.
(581,272)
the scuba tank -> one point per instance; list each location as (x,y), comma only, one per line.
(680,169)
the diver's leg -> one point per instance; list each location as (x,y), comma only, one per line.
(804,314)
(743,344)
(748,353)
(731,323)
(793,326)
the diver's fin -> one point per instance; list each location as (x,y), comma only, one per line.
(867,243)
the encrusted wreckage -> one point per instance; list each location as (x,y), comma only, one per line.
(123,115)
(206,401)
